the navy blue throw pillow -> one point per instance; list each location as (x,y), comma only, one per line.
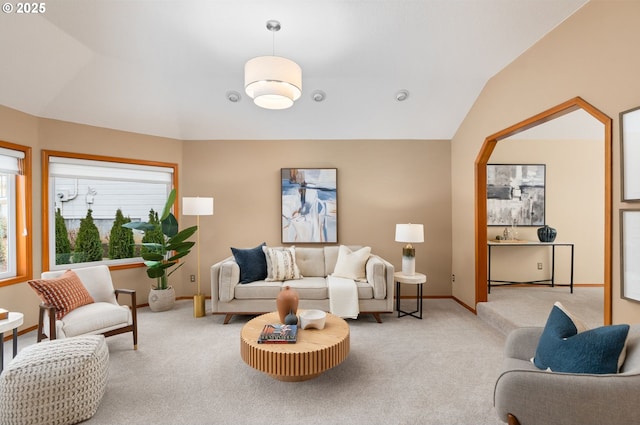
(252,262)
(563,349)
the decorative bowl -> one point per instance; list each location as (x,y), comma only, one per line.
(312,319)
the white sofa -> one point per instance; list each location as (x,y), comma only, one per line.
(228,296)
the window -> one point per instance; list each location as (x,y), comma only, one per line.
(86,199)
(15,213)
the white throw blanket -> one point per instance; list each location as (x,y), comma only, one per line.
(343,297)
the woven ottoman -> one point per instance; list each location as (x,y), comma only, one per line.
(55,382)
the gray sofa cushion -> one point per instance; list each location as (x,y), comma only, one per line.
(310,288)
(310,262)
(258,290)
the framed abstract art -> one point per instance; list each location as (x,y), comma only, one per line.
(309,199)
(516,194)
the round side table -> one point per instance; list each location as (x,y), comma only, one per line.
(417,279)
(11,323)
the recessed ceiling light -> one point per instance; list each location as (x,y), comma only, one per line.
(402,95)
(318,95)
(233,96)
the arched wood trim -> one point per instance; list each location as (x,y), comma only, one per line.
(481,189)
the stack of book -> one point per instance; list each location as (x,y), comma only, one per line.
(278,334)
(4,314)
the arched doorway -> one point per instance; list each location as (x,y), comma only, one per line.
(481,190)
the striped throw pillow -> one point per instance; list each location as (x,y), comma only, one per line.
(65,293)
(281,264)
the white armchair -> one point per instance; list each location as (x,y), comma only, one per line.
(104,316)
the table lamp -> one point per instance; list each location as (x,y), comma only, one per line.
(197,206)
(409,233)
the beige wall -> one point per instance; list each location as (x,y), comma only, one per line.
(380,183)
(574,207)
(589,56)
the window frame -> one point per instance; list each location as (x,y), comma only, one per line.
(46,204)
(11,230)
(23,218)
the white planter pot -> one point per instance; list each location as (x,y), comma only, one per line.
(162,299)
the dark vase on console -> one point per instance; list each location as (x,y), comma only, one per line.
(291,319)
(287,302)
(547,234)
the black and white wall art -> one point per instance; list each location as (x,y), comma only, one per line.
(516,194)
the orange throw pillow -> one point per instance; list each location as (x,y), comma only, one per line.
(65,293)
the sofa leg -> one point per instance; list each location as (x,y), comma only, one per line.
(512,420)
(227,317)
(377,317)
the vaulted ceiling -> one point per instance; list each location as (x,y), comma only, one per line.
(164,67)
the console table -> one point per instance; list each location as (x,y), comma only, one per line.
(524,244)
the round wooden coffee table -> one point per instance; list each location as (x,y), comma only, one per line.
(315,351)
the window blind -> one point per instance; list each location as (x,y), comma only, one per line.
(104,170)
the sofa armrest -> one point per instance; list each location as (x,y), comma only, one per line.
(225,275)
(379,273)
(541,397)
(521,343)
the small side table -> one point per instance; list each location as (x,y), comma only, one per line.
(12,322)
(417,279)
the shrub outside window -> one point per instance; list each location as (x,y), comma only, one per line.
(89,198)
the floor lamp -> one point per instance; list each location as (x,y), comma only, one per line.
(197,206)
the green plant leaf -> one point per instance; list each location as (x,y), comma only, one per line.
(170,226)
(167,206)
(153,246)
(139,225)
(184,234)
(182,246)
(172,271)
(152,256)
(155,273)
(178,255)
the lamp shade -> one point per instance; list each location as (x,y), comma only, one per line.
(197,206)
(273,82)
(409,233)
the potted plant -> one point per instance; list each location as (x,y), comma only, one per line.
(161,258)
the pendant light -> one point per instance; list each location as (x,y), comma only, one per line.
(273,82)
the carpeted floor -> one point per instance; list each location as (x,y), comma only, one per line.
(405,371)
(439,370)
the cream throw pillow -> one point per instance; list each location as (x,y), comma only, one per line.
(281,264)
(351,264)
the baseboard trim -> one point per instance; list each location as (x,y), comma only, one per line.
(22,332)
(473,310)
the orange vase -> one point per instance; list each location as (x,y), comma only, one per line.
(287,302)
